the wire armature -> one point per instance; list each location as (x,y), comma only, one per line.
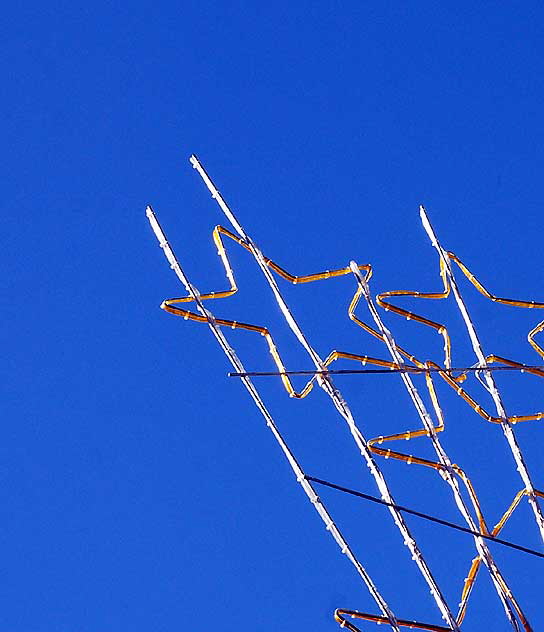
(449,284)
(373,445)
(444,465)
(170,306)
(301,477)
(340,404)
(488,377)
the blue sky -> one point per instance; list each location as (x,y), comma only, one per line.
(141,489)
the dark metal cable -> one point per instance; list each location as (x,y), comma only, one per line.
(425,516)
(406,369)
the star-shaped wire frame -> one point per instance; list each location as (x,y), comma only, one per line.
(400,355)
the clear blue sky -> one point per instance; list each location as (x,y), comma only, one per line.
(140,488)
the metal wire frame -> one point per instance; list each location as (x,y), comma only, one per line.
(489,380)
(444,466)
(446,375)
(340,404)
(449,283)
(442,330)
(373,444)
(439,327)
(452,381)
(447,278)
(168,305)
(301,477)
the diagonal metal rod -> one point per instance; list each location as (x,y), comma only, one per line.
(490,382)
(340,404)
(499,582)
(425,516)
(295,466)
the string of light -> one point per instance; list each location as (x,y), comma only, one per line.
(321,376)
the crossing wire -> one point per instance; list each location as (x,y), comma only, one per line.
(425,516)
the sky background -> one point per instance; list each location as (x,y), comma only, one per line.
(141,490)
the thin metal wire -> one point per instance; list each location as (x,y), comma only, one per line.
(445,466)
(425,516)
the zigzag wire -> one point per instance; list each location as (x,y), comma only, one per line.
(168,305)
(469,581)
(453,382)
(439,327)
(446,470)
(442,330)
(447,376)
(333,356)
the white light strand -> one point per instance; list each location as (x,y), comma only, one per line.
(326,383)
(491,385)
(505,595)
(297,470)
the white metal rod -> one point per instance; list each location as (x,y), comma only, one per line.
(488,376)
(297,469)
(326,383)
(505,595)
